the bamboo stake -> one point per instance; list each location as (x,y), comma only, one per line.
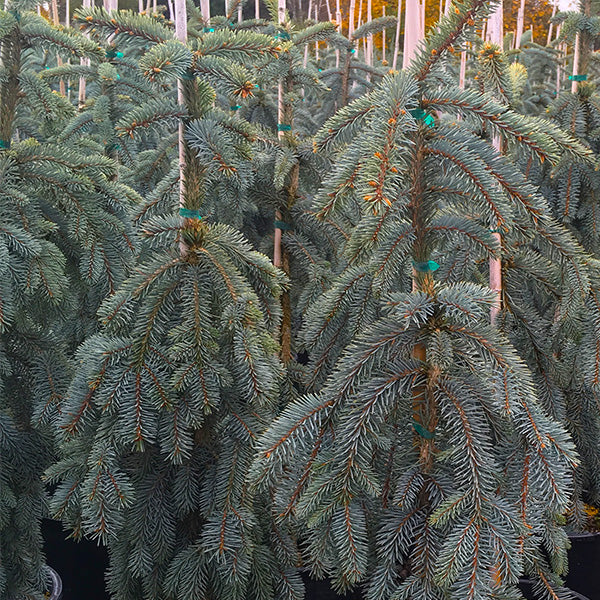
(463,70)
(351,17)
(383,39)
(257,9)
(338,20)
(550,26)
(413,32)
(305,62)
(369,56)
(316,9)
(397,40)
(59,62)
(205,10)
(280,135)
(495,34)
(181,35)
(520,24)
(329,13)
(83,62)
(574,83)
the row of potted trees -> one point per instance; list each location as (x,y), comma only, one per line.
(402,401)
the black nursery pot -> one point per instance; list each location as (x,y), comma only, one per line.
(80,565)
(584,561)
(525,585)
(322,590)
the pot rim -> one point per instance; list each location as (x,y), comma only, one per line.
(585,535)
(57,586)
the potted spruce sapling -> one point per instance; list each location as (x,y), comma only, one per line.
(422,465)
(572,191)
(164,412)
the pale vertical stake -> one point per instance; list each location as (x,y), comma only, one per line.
(305,63)
(338,20)
(85,62)
(205,10)
(329,13)
(520,24)
(576,53)
(550,26)
(351,17)
(316,43)
(369,57)
(413,30)
(397,40)
(463,70)
(59,62)
(257,9)
(181,35)
(495,34)
(280,116)
(383,38)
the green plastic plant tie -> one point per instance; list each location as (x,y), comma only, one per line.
(113,54)
(16,14)
(423,267)
(187,76)
(424,433)
(118,77)
(496,230)
(282,35)
(190,213)
(420,115)
(283,127)
(209,30)
(112,147)
(5,144)
(578,77)
(352,50)
(282,225)
(236,107)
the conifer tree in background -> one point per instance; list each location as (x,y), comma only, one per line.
(423,464)
(573,190)
(65,244)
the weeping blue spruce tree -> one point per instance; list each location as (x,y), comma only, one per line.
(162,415)
(423,465)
